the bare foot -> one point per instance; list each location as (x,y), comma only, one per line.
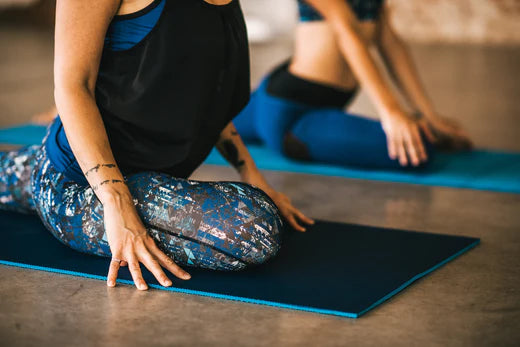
(46,117)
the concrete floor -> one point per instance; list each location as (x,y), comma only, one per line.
(473,301)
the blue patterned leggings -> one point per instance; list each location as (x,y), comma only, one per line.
(214,225)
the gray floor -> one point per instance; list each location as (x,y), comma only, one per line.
(473,301)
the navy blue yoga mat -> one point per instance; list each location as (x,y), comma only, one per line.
(482,170)
(338,269)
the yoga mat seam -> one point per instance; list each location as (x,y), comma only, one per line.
(254,301)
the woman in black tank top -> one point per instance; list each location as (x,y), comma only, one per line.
(139,122)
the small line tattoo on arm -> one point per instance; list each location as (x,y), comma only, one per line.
(229,151)
(96,168)
(94,188)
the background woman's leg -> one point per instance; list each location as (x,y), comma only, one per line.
(245,121)
(332,136)
(222,226)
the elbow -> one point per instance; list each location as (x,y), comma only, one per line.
(388,41)
(61,95)
(65,91)
(385,48)
(391,46)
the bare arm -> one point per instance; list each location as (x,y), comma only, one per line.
(403,136)
(232,148)
(80,31)
(402,69)
(355,49)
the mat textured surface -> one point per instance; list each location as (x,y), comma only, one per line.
(479,169)
(334,268)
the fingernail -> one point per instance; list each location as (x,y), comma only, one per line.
(167,283)
(186,276)
(111,283)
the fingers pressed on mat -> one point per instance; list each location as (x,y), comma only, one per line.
(295,224)
(153,266)
(423,156)
(137,276)
(112,273)
(428,133)
(392,151)
(403,159)
(412,149)
(303,217)
(170,265)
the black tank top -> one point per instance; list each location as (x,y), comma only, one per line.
(165,101)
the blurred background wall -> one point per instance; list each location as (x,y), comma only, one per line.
(425,21)
(472,21)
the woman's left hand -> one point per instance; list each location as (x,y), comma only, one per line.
(294,216)
(446,133)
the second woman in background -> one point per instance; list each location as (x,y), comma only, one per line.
(298,108)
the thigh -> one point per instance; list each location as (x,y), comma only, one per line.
(336,137)
(223,226)
(244,122)
(71,212)
(274,117)
(218,225)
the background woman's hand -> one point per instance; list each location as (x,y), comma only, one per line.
(446,133)
(131,244)
(404,139)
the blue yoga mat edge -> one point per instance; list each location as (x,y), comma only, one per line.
(419,276)
(183,291)
(255,301)
(402,180)
(500,181)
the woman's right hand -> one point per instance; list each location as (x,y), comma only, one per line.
(403,135)
(129,242)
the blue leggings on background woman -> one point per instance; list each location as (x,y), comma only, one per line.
(214,225)
(305,120)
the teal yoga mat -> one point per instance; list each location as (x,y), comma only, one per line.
(334,268)
(479,169)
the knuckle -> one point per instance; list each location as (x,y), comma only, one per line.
(169,261)
(154,264)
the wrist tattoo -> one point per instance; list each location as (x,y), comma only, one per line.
(96,168)
(229,151)
(94,188)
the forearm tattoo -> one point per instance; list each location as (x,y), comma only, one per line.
(230,151)
(96,168)
(106,182)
